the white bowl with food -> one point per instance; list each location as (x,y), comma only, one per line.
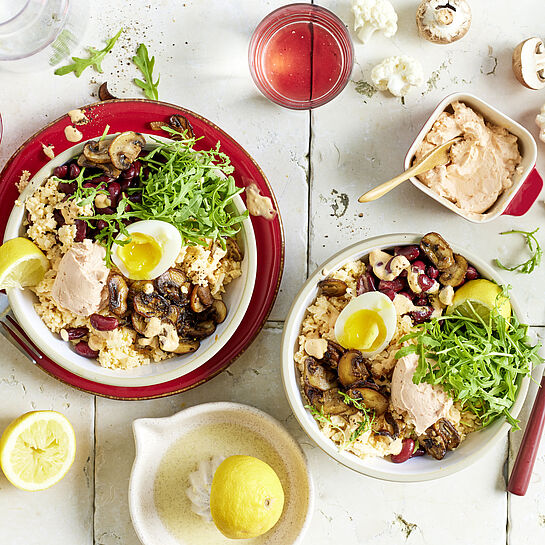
(154,307)
(178,455)
(348,370)
(491,170)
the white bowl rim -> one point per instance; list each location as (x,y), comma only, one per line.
(210,408)
(291,383)
(116,378)
(509,123)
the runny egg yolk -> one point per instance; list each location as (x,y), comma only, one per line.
(363,330)
(140,255)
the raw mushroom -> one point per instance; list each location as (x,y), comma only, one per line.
(96,151)
(454,276)
(443,22)
(125,148)
(352,368)
(529,63)
(437,250)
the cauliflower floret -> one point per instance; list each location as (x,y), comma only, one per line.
(540,122)
(397,75)
(372,15)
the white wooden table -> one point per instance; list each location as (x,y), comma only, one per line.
(318,163)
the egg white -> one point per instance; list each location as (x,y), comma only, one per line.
(374,301)
(167,237)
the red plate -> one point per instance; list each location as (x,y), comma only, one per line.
(135,115)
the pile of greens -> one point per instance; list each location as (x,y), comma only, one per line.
(478,362)
(190,189)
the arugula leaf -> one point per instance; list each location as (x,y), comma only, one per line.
(478,362)
(95,59)
(145,64)
(533,245)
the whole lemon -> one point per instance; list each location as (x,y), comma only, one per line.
(246,499)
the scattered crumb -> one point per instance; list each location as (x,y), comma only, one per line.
(19,202)
(406,527)
(365,88)
(23,181)
(78,117)
(48,150)
(72,134)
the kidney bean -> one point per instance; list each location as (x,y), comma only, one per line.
(418,452)
(67,187)
(404,273)
(83,349)
(89,185)
(419,265)
(407,449)
(407,295)
(425,282)
(76,332)
(472,273)
(420,316)
(107,210)
(103,323)
(132,171)
(61,172)
(124,184)
(114,189)
(103,179)
(432,272)
(395,285)
(421,300)
(59,218)
(390,293)
(137,197)
(101,224)
(365,283)
(81,230)
(410,252)
(73,171)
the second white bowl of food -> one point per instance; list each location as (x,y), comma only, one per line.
(237,297)
(373,457)
(169,449)
(509,141)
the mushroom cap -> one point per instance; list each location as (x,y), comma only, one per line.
(529,63)
(443,22)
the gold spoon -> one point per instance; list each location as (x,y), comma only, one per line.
(439,156)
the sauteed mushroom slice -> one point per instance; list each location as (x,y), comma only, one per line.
(150,305)
(170,285)
(141,286)
(352,368)
(318,376)
(201,298)
(187,346)
(332,287)
(333,354)
(433,442)
(218,311)
(96,151)
(454,276)
(200,330)
(104,93)
(233,250)
(393,428)
(437,250)
(370,396)
(181,124)
(139,323)
(125,148)
(330,401)
(107,168)
(448,432)
(174,314)
(118,291)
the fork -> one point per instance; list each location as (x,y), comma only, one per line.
(15,334)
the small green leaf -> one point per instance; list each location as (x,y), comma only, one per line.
(535,249)
(146,65)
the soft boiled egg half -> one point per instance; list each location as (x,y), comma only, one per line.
(367,323)
(152,248)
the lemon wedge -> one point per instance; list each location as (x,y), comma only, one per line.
(246,499)
(22,264)
(37,450)
(480,297)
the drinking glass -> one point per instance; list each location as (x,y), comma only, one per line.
(301,56)
(36,34)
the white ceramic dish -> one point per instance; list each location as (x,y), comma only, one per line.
(154,436)
(237,298)
(527,148)
(418,469)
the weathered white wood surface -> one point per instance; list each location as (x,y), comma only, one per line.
(357,141)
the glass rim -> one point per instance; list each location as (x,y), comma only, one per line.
(347,46)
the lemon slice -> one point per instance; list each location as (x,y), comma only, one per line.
(480,297)
(246,499)
(22,264)
(37,450)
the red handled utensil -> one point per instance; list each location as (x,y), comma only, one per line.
(526,457)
